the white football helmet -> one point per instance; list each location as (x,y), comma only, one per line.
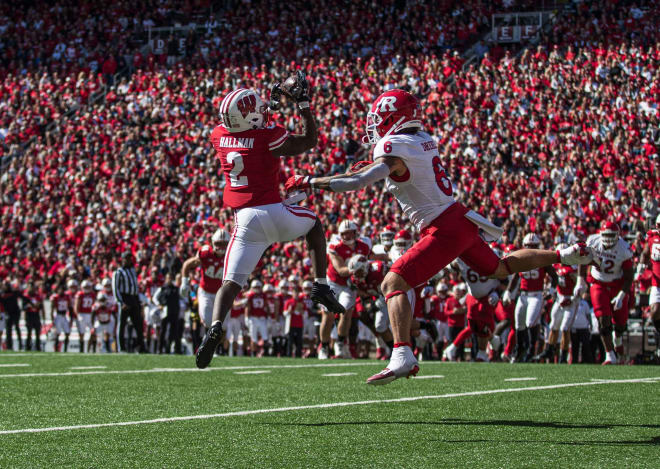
(220,240)
(561,246)
(106,282)
(243,109)
(86,285)
(386,236)
(442,288)
(531,241)
(459,288)
(256,285)
(101,297)
(268,288)
(657,222)
(366,240)
(307,285)
(283,286)
(358,263)
(609,234)
(345,227)
(71,284)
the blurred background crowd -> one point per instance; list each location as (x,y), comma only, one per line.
(106,113)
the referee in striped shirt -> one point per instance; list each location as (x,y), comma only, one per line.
(125,291)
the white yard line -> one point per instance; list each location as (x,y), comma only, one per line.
(99,367)
(429,376)
(254,372)
(11,365)
(182,370)
(339,374)
(326,406)
(529,378)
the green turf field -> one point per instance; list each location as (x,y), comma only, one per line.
(258,413)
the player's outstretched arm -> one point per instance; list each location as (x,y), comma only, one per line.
(296,88)
(350,181)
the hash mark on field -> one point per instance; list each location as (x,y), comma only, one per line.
(529,378)
(253,372)
(13,365)
(429,376)
(339,374)
(99,367)
(326,406)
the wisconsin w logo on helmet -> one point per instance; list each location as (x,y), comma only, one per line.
(247,104)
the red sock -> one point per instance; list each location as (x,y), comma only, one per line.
(510,342)
(462,336)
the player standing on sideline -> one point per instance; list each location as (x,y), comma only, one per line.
(102,315)
(212,260)
(652,252)
(249,150)
(60,309)
(530,302)
(82,312)
(408,159)
(610,284)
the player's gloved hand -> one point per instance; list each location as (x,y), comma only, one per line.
(580,287)
(493,298)
(639,271)
(184,289)
(296,183)
(359,165)
(506,297)
(566,301)
(300,90)
(617,301)
(275,97)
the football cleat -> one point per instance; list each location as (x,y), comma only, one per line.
(577,254)
(609,362)
(323,294)
(402,365)
(208,346)
(323,354)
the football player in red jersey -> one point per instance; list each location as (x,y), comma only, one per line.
(82,310)
(610,283)
(102,315)
(530,302)
(212,260)
(235,325)
(60,310)
(338,276)
(256,318)
(408,159)
(249,151)
(652,252)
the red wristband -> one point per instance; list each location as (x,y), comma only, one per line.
(403,344)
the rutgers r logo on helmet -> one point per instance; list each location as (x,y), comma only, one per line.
(392,112)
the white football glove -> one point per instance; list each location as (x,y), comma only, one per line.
(184,289)
(506,297)
(580,287)
(639,271)
(617,302)
(493,298)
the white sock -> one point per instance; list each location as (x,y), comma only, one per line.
(321,281)
(611,355)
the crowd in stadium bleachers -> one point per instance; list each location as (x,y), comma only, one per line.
(551,140)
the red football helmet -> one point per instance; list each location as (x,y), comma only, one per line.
(392,111)
(403,239)
(609,234)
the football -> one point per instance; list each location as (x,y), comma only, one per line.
(290,86)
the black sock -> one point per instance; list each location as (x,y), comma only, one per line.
(656,323)
(107,346)
(66,343)
(341,338)
(325,345)
(390,344)
(57,344)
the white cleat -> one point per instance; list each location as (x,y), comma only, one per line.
(403,364)
(482,356)
(576,254)
(323,354)
(449,354)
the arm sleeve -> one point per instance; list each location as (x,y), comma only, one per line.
(351,182)
(115,287)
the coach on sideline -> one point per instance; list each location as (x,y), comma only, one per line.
(125,291)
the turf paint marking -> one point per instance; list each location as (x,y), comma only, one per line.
(99,367)
(254,372)
(12,365)
(327,406)
(339,374)
(529,378)
(189,370)
(429,376)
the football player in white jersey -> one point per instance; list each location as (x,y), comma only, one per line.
(408,159)
(609,286)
